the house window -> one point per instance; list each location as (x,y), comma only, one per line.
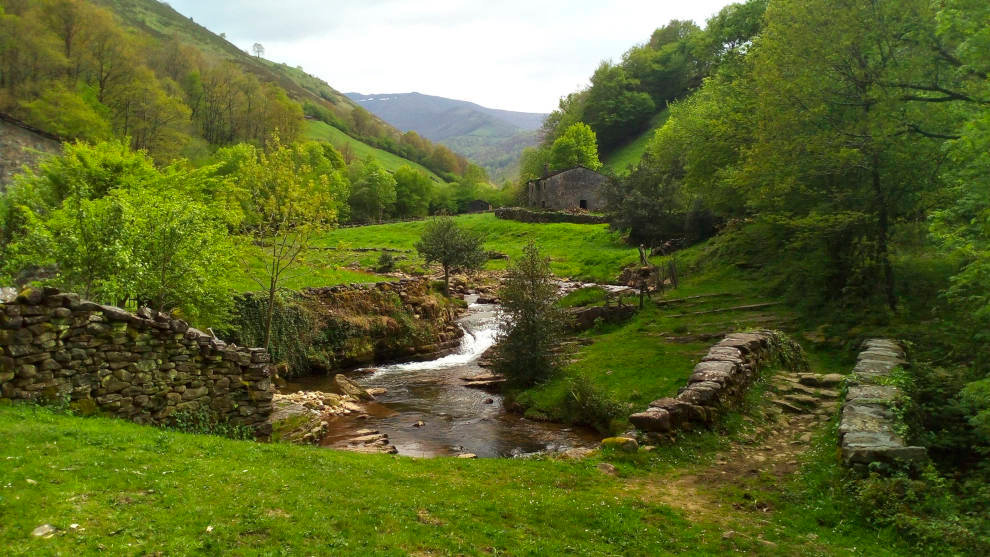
(584,203)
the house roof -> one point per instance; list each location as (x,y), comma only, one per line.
(552,174)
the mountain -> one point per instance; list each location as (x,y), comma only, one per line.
(490,137)
(103,69)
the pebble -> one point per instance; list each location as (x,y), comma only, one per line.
(467,455)
(420,423)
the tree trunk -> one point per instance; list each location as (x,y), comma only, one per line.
(269,313)
(882,248)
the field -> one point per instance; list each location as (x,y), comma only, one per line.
(111,486)
(321,131)
(579,251)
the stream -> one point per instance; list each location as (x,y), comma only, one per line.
(427,411)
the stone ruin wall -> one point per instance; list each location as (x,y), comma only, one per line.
(566,189)
(144,367)
(719,380)
(869,429)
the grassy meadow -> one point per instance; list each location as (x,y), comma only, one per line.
(578,251)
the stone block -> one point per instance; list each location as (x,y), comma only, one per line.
(653,419)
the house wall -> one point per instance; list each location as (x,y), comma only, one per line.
(567,189)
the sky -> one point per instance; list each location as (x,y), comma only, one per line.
(513,55)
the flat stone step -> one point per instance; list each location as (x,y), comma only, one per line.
(787,406)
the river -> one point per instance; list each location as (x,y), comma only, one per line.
(427,411)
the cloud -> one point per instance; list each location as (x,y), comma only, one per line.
(519,55)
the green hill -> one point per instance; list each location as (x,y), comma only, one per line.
(321,131)
(627,156)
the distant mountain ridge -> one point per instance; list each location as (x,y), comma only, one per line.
(439,118)
(491,137)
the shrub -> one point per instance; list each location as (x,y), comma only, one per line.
(531,323)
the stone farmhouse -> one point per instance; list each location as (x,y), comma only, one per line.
(574,188)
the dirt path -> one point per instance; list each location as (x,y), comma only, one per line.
(796,408)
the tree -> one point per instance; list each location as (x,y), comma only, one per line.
(288,209)
(531,323)
(258,49)
(451,246)
(143,237)
(839,132)
(615,107)
(178,250)
(413,192)
(577,146)
(372,191)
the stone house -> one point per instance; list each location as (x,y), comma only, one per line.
(574,188)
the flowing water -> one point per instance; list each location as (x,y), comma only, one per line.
(427,410)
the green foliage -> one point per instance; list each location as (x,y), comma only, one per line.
(590,405)
(623,98)
(587,296)
(576,146)
(386,263)
(373,192)
(205,421)
(614,107)
(118,230)
(293,328)
(69,114)
(531,323)
(413,193)
(453,247)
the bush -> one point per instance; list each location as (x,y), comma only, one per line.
(588,405)
(531,323)
(386,263)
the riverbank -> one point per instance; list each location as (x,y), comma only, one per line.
(109,485)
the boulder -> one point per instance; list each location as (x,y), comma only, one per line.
(624,444)
(347,387)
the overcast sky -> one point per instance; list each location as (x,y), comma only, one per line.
(516,55)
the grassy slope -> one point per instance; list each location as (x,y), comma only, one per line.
(322,131)
(138,490)
(588,252)
(634,364)
(626,157)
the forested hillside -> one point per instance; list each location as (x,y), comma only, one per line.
(102,69)
(490,137)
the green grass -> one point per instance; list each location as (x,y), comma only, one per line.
(580,251)
(627,156)
(139,490)
(321,131)
(634,363)
(583,252)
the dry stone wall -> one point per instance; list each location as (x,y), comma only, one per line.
(869,428)
(542,217)
(718,381)
(144,367)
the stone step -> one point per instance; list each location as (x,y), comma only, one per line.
(787,406)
